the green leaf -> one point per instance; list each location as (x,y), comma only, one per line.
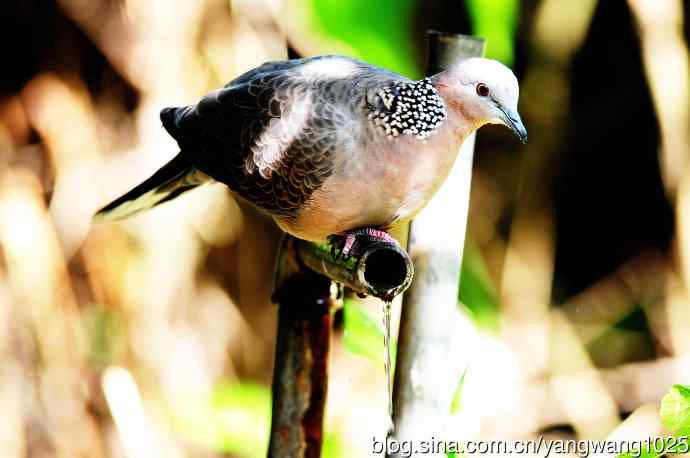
(378,31)
(675,408)
(233,418)
(106,334)
(663,446)
(495,20)
(331,447)
(477,293)
(455,404)
(362,336)
(675,415)
(645,453)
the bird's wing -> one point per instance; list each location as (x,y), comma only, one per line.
(270,134)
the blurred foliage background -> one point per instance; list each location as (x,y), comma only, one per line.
(154,336)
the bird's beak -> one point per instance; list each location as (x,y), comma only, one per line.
(512,119)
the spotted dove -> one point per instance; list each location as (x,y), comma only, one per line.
(329,145)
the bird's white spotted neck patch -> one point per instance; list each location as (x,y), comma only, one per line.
(410,108)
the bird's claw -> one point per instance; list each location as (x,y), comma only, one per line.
(343,247)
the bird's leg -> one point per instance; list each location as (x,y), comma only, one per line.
(348,245)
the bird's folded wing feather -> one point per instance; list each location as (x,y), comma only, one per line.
(266,135)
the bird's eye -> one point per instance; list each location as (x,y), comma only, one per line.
(483,90)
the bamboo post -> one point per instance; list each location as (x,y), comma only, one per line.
(306,296)
(428,366)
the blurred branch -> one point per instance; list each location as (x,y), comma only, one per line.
(583,397)
(528,267)
(632,385)
(666,62)
(643,422)
(667,65)
(139,42)
(638,282)
(45,338)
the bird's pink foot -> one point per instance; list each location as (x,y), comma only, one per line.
(348,244)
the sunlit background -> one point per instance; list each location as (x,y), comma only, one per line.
(154,337)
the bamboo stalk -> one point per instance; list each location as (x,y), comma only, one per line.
(305,294)
(429,363)
(383,269)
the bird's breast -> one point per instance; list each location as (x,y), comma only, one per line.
(376,184)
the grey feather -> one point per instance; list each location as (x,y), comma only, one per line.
(272,134)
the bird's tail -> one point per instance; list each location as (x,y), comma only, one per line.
(171,180)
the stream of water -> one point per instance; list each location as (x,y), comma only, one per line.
(387,362)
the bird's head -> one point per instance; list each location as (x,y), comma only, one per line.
(482,91)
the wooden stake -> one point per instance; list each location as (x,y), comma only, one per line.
(306,296)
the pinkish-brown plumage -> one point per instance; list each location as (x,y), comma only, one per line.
(330,144)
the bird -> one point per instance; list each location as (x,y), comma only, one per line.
(331,147)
